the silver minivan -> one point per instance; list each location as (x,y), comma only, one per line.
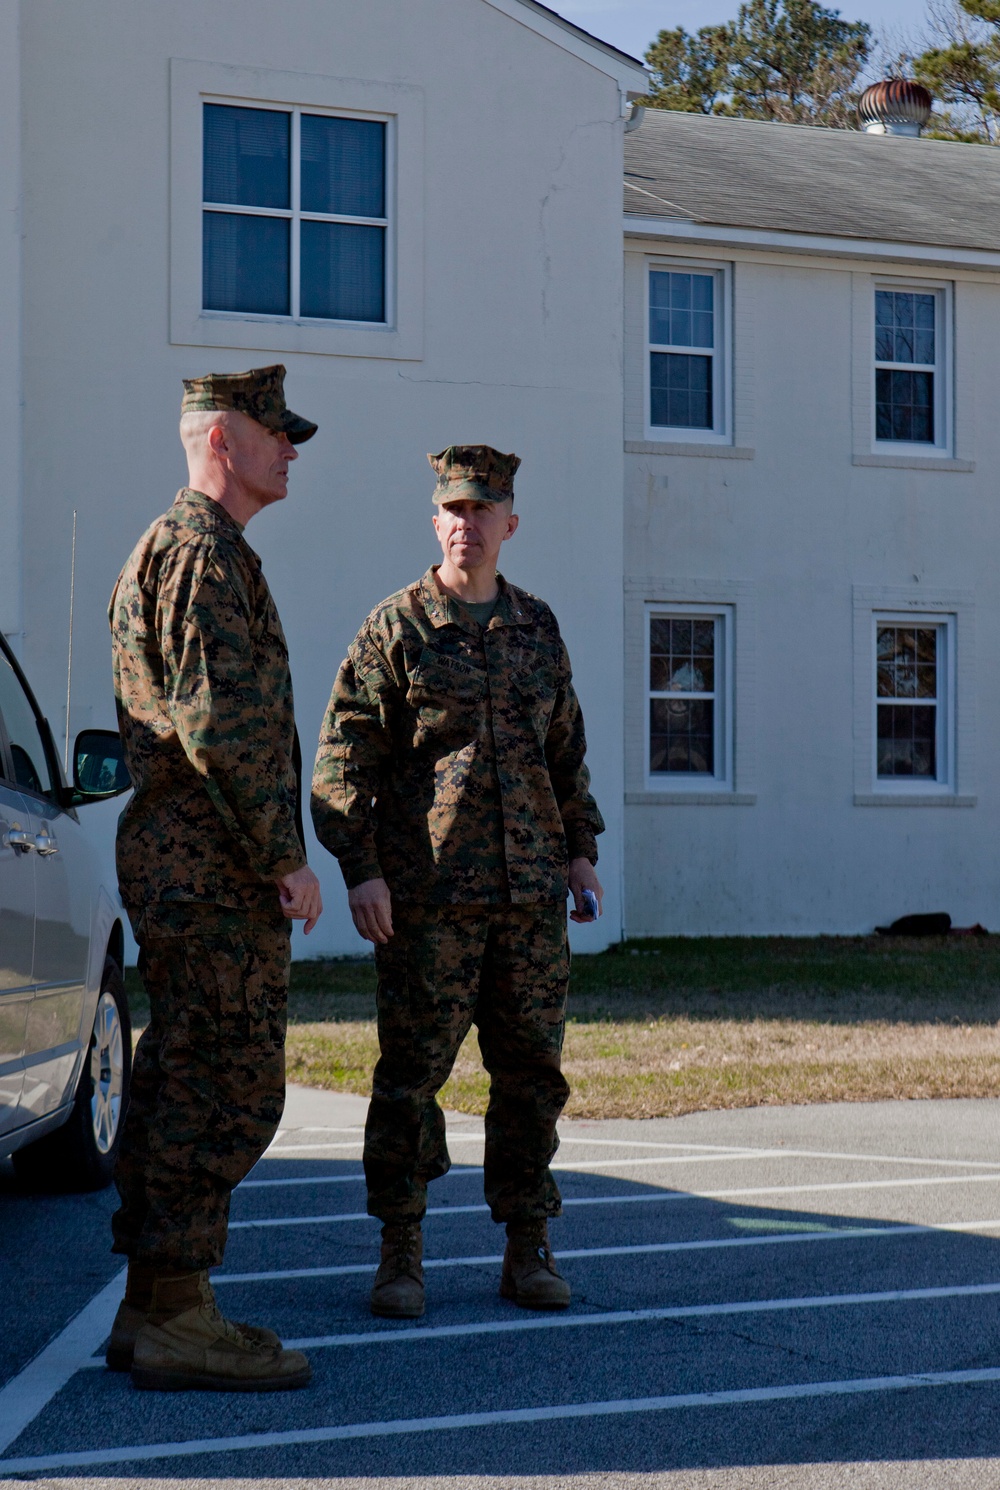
(65,1037)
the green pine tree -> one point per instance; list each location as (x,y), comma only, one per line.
(962,70)
(789,60)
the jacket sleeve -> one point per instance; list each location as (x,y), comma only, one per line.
(214,699)
(565,749)
(354,747)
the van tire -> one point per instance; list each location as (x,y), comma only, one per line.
(80,1155)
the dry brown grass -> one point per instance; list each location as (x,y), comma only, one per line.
(673,1066)
(661,1028)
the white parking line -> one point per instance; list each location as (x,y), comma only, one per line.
(643,1316)
(294,1438)
(658,1198)
(320,1179)
(723,1157)
(24,1396)
(521,1323)
(694,1151)
(824,1234)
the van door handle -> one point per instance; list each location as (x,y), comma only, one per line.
(45,845)
(17,838)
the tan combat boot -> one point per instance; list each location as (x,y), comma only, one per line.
(529,1276)
(398,1290)
(136,1309)
(196,1349)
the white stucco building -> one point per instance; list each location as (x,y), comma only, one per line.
(758,469)
(415,207)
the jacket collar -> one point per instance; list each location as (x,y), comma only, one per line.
(206,508)
(442,610)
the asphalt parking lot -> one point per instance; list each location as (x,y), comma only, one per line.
(784,1296)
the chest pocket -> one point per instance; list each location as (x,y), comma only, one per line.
(537,689)
(447,694)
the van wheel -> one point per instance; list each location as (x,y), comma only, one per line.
(81,1154)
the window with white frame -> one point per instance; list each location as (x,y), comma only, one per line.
(914,701)
(686,372)
(294,213)
(911,348)
(689,711)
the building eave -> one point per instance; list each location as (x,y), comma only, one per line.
(629,73)
(819,245)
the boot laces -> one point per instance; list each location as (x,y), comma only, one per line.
(232,1332)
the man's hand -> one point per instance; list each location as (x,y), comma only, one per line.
(583,876)
(371,907)
(300,897)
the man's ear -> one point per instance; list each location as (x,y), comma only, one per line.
(512,523)
(217,441)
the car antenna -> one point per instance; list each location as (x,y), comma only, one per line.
(69,661)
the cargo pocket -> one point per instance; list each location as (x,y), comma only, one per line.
(228,997)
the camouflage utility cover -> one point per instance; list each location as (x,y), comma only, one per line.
(475,473)
(204,701)
(260,393)
(471,743)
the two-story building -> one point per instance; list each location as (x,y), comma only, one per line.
(812,528)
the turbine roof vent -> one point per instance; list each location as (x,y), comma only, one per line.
(897,106)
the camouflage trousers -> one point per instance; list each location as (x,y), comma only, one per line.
(506,968)
(208,1079)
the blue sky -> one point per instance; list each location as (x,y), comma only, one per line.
(632,24)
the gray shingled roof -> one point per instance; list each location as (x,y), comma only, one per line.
(841,183)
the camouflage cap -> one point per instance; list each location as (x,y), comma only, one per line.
(474,472)
(259,393)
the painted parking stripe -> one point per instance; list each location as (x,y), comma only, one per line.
(663,1197)
(521,1323)
(297,1438)
(816,1234)
(601,1319)
(696,1150)
(729,1155)
(25,1395)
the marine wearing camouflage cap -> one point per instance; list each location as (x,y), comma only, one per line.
(474,473)
(260,393)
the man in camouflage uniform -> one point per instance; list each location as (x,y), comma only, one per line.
(211,869)
(451,785)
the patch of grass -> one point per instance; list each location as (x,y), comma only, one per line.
(663,1027)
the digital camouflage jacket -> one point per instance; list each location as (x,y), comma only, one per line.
(451,760)
(204,702)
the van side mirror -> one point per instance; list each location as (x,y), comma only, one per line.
(99,769)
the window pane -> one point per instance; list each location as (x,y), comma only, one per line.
(681,391)
(31,769)
(907,740)
(681,309)
(682,655)
(343,271)
(904,327)
(343,166)
(245,263)
(682,736)
(904,406)
(907,661)
(246,156)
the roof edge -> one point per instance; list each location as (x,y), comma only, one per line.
(548,23)
(824,245)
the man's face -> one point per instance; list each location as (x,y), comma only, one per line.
(260,459)
(470,533)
